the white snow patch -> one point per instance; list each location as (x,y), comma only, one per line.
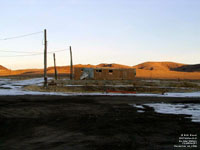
(140,111)
(186,109)
(138,106)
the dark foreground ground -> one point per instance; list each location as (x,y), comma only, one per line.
(90,123)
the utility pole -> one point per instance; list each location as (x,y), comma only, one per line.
(45,58)
(71,64)
(54,58)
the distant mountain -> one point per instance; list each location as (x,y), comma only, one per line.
(188,68)
(164,66)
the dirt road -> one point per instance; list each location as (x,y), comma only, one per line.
(90,123)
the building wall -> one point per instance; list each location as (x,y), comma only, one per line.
(108,74)
(114,74)
(77,73)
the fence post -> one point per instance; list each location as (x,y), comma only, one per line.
(55,69)
(71,64)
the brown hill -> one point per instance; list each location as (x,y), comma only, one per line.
(150,70)
(2,68)
(66,69)
(164,66)
(113,65)
(165,70)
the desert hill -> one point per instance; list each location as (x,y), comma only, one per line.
(166,70)
(113,65)
(150,70)
(167,66)
(2,68)
(66,69)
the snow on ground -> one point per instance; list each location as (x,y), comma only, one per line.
(193,110)
(138,106)
(186,109)
(15,87)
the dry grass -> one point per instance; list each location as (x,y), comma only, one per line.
(138,86)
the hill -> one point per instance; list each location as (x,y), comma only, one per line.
(149,70)
(188,68)
(166,70)
(113,65)
(167,66)
(2,68)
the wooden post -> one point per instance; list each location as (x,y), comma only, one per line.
(71,64)
(45,58)
(54,57)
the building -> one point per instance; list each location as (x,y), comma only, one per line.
(104,73)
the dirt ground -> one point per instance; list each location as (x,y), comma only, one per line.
(90,123)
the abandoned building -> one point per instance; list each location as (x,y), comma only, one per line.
(104,73)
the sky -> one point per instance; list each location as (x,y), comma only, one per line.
(127,32)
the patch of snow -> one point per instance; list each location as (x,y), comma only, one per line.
(140,111)
(138,106)
(14,87)
(186,94)
(186,109)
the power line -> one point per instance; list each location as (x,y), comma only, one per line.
(8,51)
(58,50)
(35,53)
(21,36)
(23,55)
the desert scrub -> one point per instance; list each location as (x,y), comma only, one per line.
(184,84)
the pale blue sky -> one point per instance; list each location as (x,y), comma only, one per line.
(101,31)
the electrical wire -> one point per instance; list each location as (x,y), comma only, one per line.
(36,53)
(57,51)
(7,51)
(21,36)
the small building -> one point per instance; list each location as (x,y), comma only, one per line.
(104,73)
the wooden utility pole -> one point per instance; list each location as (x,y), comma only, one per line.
(54,58)
(71,64)
(45,58)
